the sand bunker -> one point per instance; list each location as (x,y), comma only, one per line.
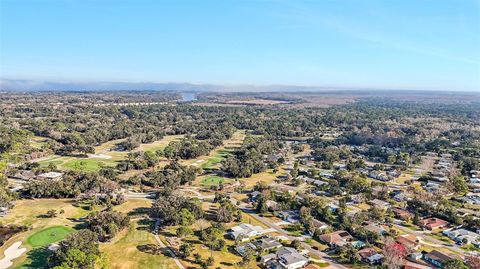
(99,156)
(12,252)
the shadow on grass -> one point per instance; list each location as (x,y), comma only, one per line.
(38,258)
(139,211)
(146,225)
(152,249)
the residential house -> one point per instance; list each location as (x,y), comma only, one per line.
(267,243)
(54,176)
(333,206)
(370,256)
(336,239)
(463,236)
(3,211)
(433,223)
(376,229)
(254,196)
(409,241)
(289,216)
(378,176)
(380,204)
(24,175)
(327,175)
(400,197)
(317,225)
(394,173)
(402,214)
(319,183)
(284,258)
(245,232)
(432,186)
(271,205)
(415,256)
(437,258)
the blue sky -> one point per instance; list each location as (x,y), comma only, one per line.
(407,44)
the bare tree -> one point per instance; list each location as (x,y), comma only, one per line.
(394,254)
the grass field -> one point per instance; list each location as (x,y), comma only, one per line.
(216,159)
(160,144)
(104,156)
(212,180)
(80,164)
(135,247)
(29,212)
(49,235)
(268,177)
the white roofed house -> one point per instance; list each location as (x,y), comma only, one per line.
(245,232)
(463,236)
(380,204)
(271,205)
(54,176)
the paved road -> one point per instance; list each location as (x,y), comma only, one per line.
(175,259)
(281,231)
(277,228)
(422,235)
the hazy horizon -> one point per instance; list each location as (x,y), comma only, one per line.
(36,85)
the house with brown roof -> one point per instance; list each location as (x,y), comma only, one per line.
(336,239)
(433,223)
(409,241)
(402,214)
(437,258)
(370,256)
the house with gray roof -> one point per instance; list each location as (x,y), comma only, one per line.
(284,258)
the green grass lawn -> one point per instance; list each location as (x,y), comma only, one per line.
(83,164)
(89,165)
(292,230)
(49,235)
(212,180)
(216,159)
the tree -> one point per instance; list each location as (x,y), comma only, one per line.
(210,261)
(349,253)
(168,207)
(455,264)
(78,251)
(185,250)
(296,244)
(473,261)
(459,185)
(262,204)
(107,223)
(186,217)
(76,258)
(393,253)
(226,212)
(183,231)
(52,213)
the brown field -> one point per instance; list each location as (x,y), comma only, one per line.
(257,102)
